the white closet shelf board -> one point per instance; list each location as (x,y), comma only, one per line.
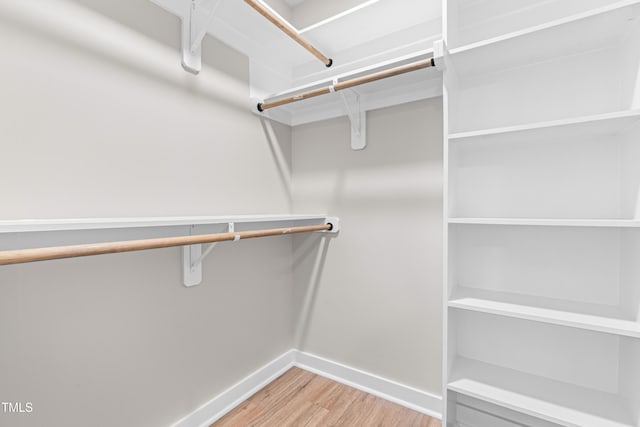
(31,234)
(79,224)
(583,32)
(543,398)
(241,27)
(576,128)
(403,88)
(611,223)
(467,299)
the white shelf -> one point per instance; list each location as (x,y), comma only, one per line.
(611,223)
(413,86)
(575,128)
(578,33)
(75,224)
(543,398)
(36,233)
(482,301)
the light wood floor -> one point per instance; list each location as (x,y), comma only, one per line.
(300,398)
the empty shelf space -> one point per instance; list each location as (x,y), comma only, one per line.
(584,169)
(574,128)
(472,21)
(577,315)
(566,36)
(612,223)
(547,399)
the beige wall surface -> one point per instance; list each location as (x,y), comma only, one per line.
(98,119)
(372,298)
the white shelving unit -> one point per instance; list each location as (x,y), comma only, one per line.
(542,287)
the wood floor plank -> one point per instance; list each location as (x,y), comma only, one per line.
(317,419)
(241,415)
(360,412)
(285,385)
(338,402)
(299,398)
(305,398)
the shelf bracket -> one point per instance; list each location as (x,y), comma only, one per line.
(194,28)
(357,117)
(192,258)
(335,225)
(439,50)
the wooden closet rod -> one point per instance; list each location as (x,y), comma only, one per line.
(42,254)
(418,65)
(291,32)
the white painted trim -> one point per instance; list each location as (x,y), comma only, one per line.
(81,224)
(392,391)
(223,403)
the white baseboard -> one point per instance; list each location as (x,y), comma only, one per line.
(392,391)
(401,394)
(217,407)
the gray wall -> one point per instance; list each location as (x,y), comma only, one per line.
(101,121)
(375,302)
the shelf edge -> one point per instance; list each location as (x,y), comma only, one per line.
(550,319)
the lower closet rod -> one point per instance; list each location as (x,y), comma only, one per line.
(58,252)
(413,66)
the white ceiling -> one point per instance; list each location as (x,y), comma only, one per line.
(293,2)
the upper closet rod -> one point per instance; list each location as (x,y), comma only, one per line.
(58,252)
(291,32)
(418,65)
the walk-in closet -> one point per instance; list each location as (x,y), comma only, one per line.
(287,213)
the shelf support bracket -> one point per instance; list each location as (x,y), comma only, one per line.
(194,28)
(192,258)
(335,229)
(439,51)
(357,117)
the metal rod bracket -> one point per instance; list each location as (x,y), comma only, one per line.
(439,50)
